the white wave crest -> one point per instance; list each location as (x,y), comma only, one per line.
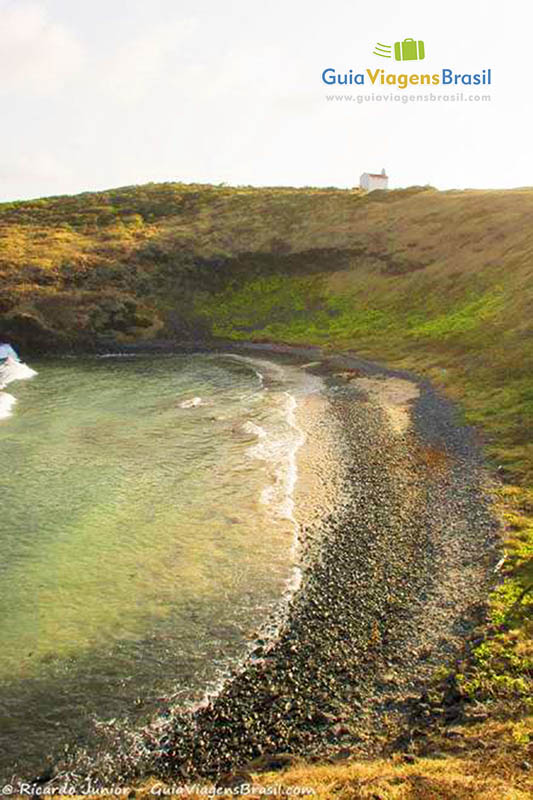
(193,402)
(15,371)
(256,430)
(280,451)
(7,401)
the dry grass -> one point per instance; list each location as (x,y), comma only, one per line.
(449,778)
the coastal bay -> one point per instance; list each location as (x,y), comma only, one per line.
(396,561)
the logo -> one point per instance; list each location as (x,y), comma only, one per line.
(408,50)
(384,50)
(405,50)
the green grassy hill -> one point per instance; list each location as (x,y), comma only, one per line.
(438,282)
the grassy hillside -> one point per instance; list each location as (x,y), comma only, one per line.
(439,282)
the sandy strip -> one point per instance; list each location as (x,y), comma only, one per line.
(394,396)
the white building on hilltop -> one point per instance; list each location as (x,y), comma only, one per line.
(370,181)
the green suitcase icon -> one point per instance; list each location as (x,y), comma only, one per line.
(409,50)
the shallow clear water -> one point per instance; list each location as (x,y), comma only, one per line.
(144,535)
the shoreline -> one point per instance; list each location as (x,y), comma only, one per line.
(302,496)
(392,583)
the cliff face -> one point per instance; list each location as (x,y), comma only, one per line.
(439,282)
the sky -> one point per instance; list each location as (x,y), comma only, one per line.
(110,93)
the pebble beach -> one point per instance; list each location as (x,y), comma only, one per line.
(394,576)
(397,550)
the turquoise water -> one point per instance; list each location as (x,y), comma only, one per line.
(146,533)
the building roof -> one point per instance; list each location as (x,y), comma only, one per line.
(375,175)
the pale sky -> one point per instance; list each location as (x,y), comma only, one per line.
(107,93)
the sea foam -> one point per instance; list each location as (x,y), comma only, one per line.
(15,371)
(279,449)
(7,401)
(192,403)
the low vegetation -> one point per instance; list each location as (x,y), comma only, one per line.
(436,282)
